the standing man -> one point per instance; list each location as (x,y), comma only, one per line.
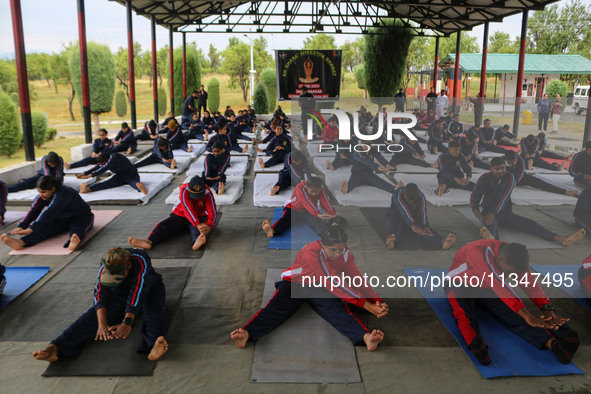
(431,97)
(400,100)
(556,112)
(544,106)
(201,100)
(441,104)
(189,108)
(307,104)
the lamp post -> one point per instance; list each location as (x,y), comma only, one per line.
(252,70)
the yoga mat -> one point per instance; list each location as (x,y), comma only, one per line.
(525,195)
(127,195)
(314,147)
(361,196)
(232,192)
(376,217)
(11,217)
(564,181)
(119,357)
(54,245)
(320,164)
(262,186)
(197,150)
(238,166)
(82,169)
(179,246)
(510,354)
(182,162)
(508,234)
(564,214)
(18,280)
(294,238)
(575,290)
(273,169)
(428,184)
(305,349)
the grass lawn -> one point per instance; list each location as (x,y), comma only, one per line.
(61,145)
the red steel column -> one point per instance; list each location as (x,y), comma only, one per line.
(84,73)
(483,66)
(436,66)
(131,66)
(171,62)
(154,67)
(184,66)
(587,134)
(457,91)
(517,112)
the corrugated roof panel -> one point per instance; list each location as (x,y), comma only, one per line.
(497,63)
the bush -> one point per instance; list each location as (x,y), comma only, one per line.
(557,86)
(269,79)
(39,120)
(360,76)
(120,103)
(261,101)
(162,101)
(15,98)
(10,133)
(213,94)
(193,75)
(51,133)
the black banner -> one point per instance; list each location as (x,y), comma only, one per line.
(318,70)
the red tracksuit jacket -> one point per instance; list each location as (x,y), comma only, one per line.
(302,201)
(192,209)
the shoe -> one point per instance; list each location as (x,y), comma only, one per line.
(480,350)
(554,132)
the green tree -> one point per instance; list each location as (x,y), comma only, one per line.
(193,75)
(162,63)
(260,99)
(237,64)
(213,94)
(500,42)
(39,121)
(262,58)
(39,67)
(61,75)
(101,78)
(122,66)
(360,77)
(269,80)
(352,54)
(447,45)
(10,137)
(320,41)
(121,103)
(384,73)
(214,59)
(162,101)
(8,80)
(557,86)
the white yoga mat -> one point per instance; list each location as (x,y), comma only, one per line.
(361,196)
(313,149)
(273,169)
(238,166)
(197,150)
(232,192)
(262,186)
(182,162)
(320,163)
(428,184)
(523,195)
(126,194)
(82,169)
(561,180)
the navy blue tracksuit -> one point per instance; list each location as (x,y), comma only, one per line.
(546,153)
(469,150)
(524,179)
(362,172)
(141,292)
(402,216)
(436,139)
(98,146)
(222,139)
(157,156)
(214,167)
(147,133)
(278,156)
(235,130)
(124,173)
(291,174)
(533,151)
(127,140)
(64,211)
(454,167)
(177,139)
(582,211)
(488,134)
(343,148)
(406,156)
(455,129)
(195,130)
(495,197)
(46,169)
(3,194)
(579,167)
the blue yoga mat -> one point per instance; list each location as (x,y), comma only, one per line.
(510,355)
(18,280)
(295,238)
(575,290)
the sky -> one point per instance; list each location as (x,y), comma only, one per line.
(48,25)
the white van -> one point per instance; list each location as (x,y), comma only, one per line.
(580,99)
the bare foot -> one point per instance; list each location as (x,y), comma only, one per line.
(399,185)
(67,166)
(329,165)
(274,191)
(345,187)
(173,164)
(245,149)
(434,165)
(140,243)
(84,188)
(74,242)
(561,166)
(485,234)
(221,188)
(15,244)
(158,350)
(190,149)
(570,157)
(373,339)
(48,354)
(240,337)
(199,242)
(571,239)
(268,229)
(449,241)
(571,193)
(129,151)
(440,190)
(390,241)
(142,187)
(435,151)
(261,162)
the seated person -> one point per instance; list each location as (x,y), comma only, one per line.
(504,137)
(236,128)
(161,153)
(252,119)
(124,173)
(474,131)
(196,129)
(3,196)
(437,136)
(295,169)
(330,133)
(196,213)
(455,128)
(487,140)
(543,152)
(362,171)
(490,258)
(125,140)
(56,209)
(209,123)
(230,142)
(408,212)
(176,138)
(169,117)
(271,130)
(424,122)
(101,144)
(531,155)
(454,170)
(493,194)
(582,212)
(149,132)
(469,148)
(229,111)
(277,148)
(516,166)
(127,285)
(412,153)
(51,165)
(331,254)
(342,156)
(580,167)
(216,164)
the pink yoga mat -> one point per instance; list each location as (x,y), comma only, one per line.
(54,246)
(11,217)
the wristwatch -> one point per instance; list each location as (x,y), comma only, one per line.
(547,307)
(128,321)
